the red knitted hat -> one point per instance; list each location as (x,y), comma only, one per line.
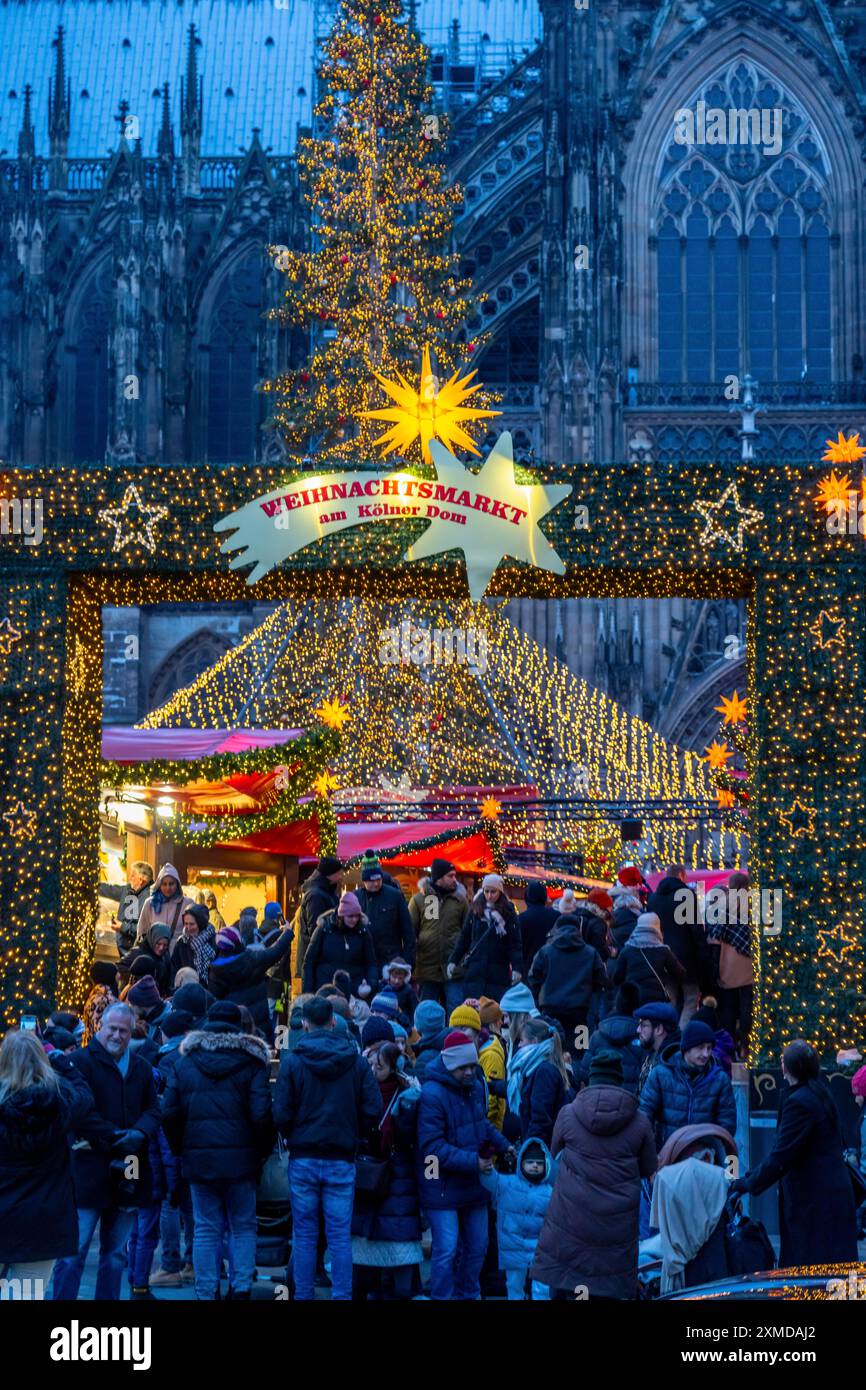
(601,899)
(630,877)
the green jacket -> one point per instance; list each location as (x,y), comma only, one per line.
(437,919)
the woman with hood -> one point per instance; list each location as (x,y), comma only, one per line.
(166,904)
(342,941)
(646,962)
(488,954)
(386,1227)
(153,951)
(43,1105)
(538,1084)
(238,974)
(590,1236)
(196,945)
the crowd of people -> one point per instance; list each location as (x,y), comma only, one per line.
(545,1092)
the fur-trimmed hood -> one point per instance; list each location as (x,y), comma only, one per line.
(329,920)
(425,886)
(238,1045)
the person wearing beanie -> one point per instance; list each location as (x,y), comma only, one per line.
(376,1030)
(274,914)
(536,923)
(166,904)
(239,974)
(385,1004)
(398,976)
(388,915)
(708,1012)
(437,912)
(320,894)
(370,860)
(628,904)
(465,1017)
(567,903)
(145,996)
(195,948)
(342,941)
(658,1034)
(456,1143)
(432,1025)
(326,1102)
(676,906)
(617,1033)
(689,1087)
(648,964)
(589,1239)
(568,976)
(487,956)
(216,1114)
(105,991)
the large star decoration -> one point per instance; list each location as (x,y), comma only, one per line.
(485,540)
(718,754)
(332,713)
(8,635)
(734,709)
(828,630)
(799,819)
(714,513)
(132,520)
(21,821)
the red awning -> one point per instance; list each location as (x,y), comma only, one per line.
(122,743)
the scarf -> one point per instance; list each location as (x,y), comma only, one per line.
(641,937)
(521,1065)
(204,950)
(688,1199)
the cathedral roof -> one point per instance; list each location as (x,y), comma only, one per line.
(124,50)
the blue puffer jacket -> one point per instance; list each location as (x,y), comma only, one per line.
(452,1126)
(520,1208)
(672,1098)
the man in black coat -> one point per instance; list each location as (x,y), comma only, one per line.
(326,1101)
(112,1174)
(216,1114)
(388,914)
(320,894)
(536,923)
(565,976)
(676,906)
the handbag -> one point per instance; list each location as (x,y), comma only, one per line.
(373,1175)
(460,969)
(671,998)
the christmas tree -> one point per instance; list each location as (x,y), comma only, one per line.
(379,289)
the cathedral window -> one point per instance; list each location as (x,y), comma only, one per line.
(233,408)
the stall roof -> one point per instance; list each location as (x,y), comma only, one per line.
(123,743)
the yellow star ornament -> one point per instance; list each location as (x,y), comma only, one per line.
(333,714)
(845,449)
(734,709)
(490,808)
(325,783)
(726,519)
(724,799)
(133,521)
(718,754)
(430,412)
(828,630)
(833,492)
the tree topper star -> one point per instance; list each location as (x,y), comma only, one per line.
(140,526)
(712,514)
(489,533)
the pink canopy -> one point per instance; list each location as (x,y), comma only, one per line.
(121,743)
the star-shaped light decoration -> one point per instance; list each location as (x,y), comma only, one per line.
(8,635)
(487,538)
(845,449)
(713,513)
(734,709)
(490,808)
(430,412)
(835,943)
(833,492)
(333,714)
(724,798)
(133,520)
(325,783)
(827,630)
(799,819)
(21,821)
(718,754)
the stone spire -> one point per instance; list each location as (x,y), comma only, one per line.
(191,115)
(26,136)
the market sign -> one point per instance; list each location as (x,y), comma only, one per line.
(486,515)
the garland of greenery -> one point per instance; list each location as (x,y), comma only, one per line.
(306,755)
(484,826)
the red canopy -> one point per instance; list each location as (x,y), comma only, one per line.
(122,743)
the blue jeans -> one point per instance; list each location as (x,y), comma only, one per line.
(459,1243)
(169,1232)
(142,1245)
(516,1281)
(115,1225)
(225,1204)
(455,993)
(326,1185)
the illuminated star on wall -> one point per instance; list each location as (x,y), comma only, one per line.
(486,539)
(8,635)
(799,819)
(827,630)
(726,519)
(835,943)
(22,822)
(133,521)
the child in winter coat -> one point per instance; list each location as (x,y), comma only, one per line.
(520,1201)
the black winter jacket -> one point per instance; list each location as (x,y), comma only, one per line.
(121,1102)
(216,1111)
(390,924)
(493,956)
(317,897)
(428,1049)
(618,1033)
(566,972)
(676,908)
(335,946)
(38,1218)
(543,1096)
(326,1098)
(536,924)
(653,970)
(395,1216)
(242,979)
